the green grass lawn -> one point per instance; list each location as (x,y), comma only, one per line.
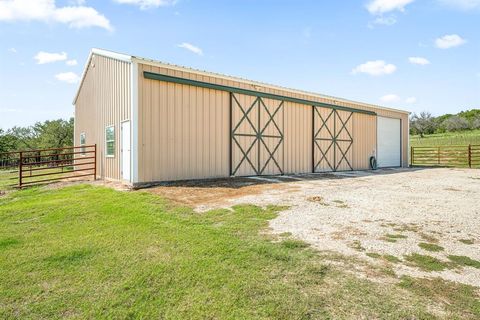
(462,138)
(85,252)
(9,178)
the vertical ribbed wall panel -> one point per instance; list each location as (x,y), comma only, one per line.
(183,130)
(104,100)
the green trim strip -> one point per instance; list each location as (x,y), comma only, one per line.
(162,77)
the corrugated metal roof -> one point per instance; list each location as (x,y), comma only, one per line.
(148,61)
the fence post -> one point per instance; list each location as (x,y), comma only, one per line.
(438,151)
(95,163)
(470,156)
(411,156)
(20,168)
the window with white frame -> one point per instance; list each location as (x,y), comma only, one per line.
(110,141)
(82,142)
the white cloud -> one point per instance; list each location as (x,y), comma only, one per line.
(46,11)
(72,62)
(390,98)
(192,48)
(379,7)
(411,100)
(375,68)
(147,4)
(462,4)
(449,41)
(10,110)
(386,21)
(68,77)
(419,60)
(12,50)
(46,57)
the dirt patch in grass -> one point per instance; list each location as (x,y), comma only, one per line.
(215,192)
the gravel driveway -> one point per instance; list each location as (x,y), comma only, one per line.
(377,216)
(387,212)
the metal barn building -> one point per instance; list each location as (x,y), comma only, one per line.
(158,122)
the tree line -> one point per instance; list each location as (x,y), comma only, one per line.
(41,135)
(424,123)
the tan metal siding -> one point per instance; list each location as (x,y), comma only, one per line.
(184,130)
(298,138)
(364,140)
(104,99)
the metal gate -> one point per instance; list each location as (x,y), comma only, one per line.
(256,135)
(332,140)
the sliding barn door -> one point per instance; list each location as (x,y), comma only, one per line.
(332,140)
(257,136)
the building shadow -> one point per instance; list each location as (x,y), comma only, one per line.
(240,182)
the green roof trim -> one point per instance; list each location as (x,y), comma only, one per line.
(201,84)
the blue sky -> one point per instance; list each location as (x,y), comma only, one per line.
(409,54)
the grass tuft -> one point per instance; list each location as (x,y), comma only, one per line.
(7,242)
(430,247)
(388,240)
(395,236)
(427,263)
(294,244)
(73,257)
(465,261)
(386,257)
(466,241)
(391,258)
(357,245)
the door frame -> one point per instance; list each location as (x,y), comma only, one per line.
(121,150)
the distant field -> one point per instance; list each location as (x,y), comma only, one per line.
(450,138)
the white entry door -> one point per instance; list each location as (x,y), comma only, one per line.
(388,142)
(125,150)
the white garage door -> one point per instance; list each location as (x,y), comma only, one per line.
(388,142)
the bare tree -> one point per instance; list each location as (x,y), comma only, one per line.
(476,123)
(423,124)
(456,123)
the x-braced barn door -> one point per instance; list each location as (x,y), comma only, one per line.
(256,136)
(332,140)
